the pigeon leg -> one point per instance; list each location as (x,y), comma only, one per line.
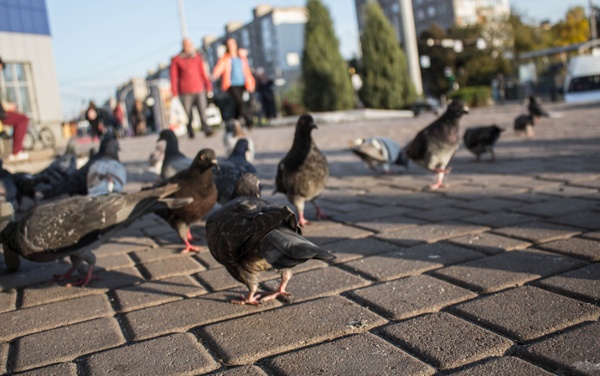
(90,259)
(320,214)
(88,277)
(249,299)
(286,275)
(75,263)
(184,234)
(189,235)
(299,204)
(438,183)
(301,220)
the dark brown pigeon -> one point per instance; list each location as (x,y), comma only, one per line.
(249,235)
(303,172)
(524,124)
(197,182)
(481,140)
(230,171)
(75,226)
(434,146)
(535,108)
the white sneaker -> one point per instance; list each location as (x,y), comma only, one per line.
(20,156)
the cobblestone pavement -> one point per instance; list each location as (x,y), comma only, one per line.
(497,274)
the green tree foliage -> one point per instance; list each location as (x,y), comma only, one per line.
(325,79)
(527,37)
(386,82)
(575,28)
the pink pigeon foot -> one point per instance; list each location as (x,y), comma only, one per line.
(190,248)
(302,221)
(189,235)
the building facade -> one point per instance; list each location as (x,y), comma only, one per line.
(274,39)
(444,13)
(29,75)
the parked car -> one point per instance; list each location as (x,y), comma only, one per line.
(582,81)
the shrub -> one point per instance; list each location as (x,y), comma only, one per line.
(474,96)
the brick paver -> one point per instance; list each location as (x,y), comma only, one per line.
(67,343)
(246,339)
(446,341)
(576,351)
(177,354)
(510,251)
(527,312)
(361,354)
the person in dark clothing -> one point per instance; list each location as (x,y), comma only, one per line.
(137,118)
(99,120)
(265,87)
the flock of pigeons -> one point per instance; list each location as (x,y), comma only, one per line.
(246,234)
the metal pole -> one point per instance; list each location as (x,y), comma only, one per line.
(410,44)
(593,31)
(182,19)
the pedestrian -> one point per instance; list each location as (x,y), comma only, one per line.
(118,116)
(191,84)
(265,87)
(236,77)
(99,119)
(19,122)
(137,118)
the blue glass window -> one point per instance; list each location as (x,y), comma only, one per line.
(24,16)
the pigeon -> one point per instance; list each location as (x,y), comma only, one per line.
(60,169)
(174,161)
(231,170)
(525,124)
(197,182)
(155,161)
(535,108)
(303,172)
(74,226)
(76,184)
(26,186)
(379,153)
(481,140)
(107,174)
(233,133)
(249,235)
(434,146)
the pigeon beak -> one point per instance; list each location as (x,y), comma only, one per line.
(313,126)
(215,164)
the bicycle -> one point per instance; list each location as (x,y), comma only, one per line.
(36,133)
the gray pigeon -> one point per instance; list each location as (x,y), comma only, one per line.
(249,235)
(75,226)
(524,124)
(379,153)
(107,174)
(434,146)
(231,170)
(535,108)
(481,140)
(303,172)
(174,161)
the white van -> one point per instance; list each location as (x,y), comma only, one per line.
(582,82)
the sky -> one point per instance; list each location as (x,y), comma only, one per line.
(100,44)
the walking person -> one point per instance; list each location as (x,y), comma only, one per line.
(190,83)
(265,87)
(19,122)
(99,120)
(236,77)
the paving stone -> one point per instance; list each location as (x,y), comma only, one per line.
(445,341)
(53,292)
(3,357)
(379,208)
(576,247)
(352,249)
(504,366)
(411,296)
(582,283)
(333,233)
(538,232)
(410,261)
(242,371)
(184,314)
(490,243)
(567,191)
(66,343)
(527,312)
(592,235)
(207,260)
(361,354)
(317,283)
(172,267)
(62,369)
(427,200)
(532,183)
(30,276)
(134,241)
(35,319)
(388,224)
(554,207)
(490,204)
(177,354)
(149,255)
(157,292)
(114,248)
(112,262)
(582,219)
(8,300)
(499,219)
(507,269)
(586,183)
(247,339)
(430,233)
(572,352)
(444,213)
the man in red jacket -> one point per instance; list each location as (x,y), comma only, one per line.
(190,83)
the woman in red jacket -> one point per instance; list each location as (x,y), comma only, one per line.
(236,76)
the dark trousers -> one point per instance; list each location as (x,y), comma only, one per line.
(199,101)
(236,93)
(19,123)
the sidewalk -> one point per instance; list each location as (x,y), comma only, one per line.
(497,274)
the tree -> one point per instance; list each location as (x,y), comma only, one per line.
(386,82)
(575,28)
(325,79)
